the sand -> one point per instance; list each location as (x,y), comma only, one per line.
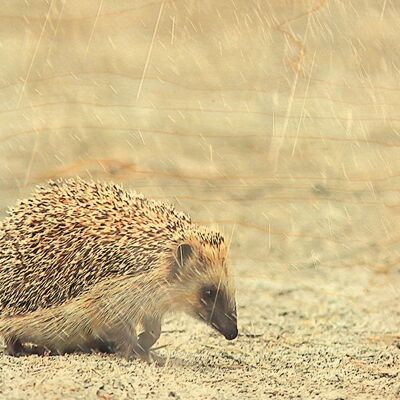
(303,335)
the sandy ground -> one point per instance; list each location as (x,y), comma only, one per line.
(323,334)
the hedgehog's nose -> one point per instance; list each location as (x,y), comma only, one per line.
(231,334)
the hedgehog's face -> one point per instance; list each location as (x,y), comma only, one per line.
(207,291)
(214,308)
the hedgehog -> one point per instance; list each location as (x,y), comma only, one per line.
(88,266)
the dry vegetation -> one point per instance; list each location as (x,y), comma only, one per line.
(276,120)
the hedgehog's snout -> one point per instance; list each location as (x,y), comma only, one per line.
(231,334)
(230,331)
(228,326)
(225,323)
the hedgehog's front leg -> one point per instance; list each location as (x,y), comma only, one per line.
(122,337)
(150,335)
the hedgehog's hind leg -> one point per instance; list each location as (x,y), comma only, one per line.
(126,342)
(100,345)
(118,337)
(14,347)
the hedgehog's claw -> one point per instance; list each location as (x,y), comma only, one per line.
(15,348)
(134,352)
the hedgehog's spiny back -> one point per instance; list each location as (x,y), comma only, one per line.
(70,235)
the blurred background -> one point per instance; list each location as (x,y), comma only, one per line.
(277,121)
(274,120)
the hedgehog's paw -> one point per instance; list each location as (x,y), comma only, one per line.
(38,350)
(15,348)
(148,356)
(135,354)
(99,345)
(157,359)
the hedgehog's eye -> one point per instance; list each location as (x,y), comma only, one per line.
(209,293)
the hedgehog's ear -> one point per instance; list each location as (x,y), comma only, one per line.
(181,256)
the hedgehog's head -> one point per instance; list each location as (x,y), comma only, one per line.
(204,286)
